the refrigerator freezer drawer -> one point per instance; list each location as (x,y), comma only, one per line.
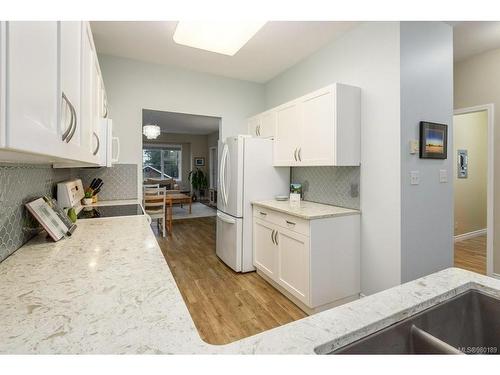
(229,240)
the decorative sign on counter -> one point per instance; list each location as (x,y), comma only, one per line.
(45,214)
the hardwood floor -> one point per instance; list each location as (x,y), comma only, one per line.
(471,254)
(225,305)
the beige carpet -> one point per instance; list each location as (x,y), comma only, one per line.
(198,210)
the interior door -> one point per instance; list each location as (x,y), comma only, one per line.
(229,240)
(293,263)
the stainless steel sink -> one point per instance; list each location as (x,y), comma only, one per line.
(467,323)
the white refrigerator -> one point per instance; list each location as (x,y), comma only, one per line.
(246,174)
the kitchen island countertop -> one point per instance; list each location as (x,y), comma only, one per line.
(108,289)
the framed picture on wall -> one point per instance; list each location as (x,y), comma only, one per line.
(199,162)
(433,140)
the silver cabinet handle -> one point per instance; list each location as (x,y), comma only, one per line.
(300,157)
(258,130)
(263,213)
(290,222)
(295,154)
(98,144)
(276,237)
(68,130)
(105,115)
(73,111)
(272,236)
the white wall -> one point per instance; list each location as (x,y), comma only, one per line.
(476,82)
(426,95)
(132,86)
(368,57)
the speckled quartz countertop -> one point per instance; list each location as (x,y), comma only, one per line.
(108,289)
(307,210)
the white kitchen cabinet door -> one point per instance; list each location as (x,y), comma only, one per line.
(288,133)
(2,82)
(88,93)
(253,124)
(33,98)
(293,264)
(317,145)
(268,124)
(70,75)
(265,248)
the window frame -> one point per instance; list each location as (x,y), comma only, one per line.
(164,147)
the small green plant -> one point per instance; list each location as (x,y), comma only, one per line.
(198,180)
(88,194)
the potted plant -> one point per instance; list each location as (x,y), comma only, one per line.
(198,181)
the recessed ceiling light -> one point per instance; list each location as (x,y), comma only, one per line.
(226,37)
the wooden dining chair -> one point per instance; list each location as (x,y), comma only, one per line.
(154,200)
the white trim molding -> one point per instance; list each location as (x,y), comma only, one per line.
(490,109)
(466,236)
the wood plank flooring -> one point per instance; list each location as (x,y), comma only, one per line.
(470,254)
(225,306)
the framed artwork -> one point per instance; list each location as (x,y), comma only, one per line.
(433,140)
(199,162)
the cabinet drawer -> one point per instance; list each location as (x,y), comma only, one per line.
(289,222)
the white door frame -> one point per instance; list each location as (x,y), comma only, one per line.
(490,110)
(212,163)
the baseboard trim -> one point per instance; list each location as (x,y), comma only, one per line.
(466,236)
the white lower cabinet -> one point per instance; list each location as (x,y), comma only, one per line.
(266,250)
(293,264)
(315,263)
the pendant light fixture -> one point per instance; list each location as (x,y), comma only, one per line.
(151,131)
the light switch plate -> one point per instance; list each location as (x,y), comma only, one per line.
(413,146)
(443,176)
(414,177)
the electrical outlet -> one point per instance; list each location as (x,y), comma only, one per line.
(414,177)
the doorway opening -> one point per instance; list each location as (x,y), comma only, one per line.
(473,188)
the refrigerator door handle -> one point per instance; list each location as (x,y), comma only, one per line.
(222,173)
(226,218)
(225,177)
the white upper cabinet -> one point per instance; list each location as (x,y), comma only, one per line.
(32,93)
(320,128)
(286,139)
(71,84)
(51,93)
(253,124)
(262,125)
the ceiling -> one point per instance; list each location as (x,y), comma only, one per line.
(276,47)
(182,123)
(473,37)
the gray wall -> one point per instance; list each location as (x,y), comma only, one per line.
(368,57)
(426,94)
(132,86)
